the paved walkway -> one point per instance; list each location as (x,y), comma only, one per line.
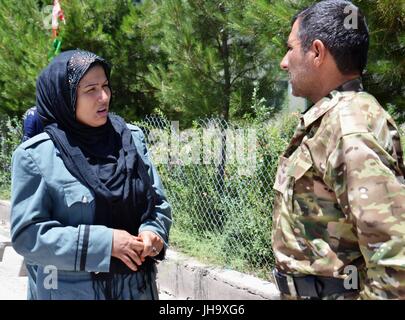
(12,285)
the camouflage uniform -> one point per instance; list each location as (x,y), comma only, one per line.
(340,196)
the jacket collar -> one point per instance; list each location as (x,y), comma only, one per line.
(326,103)
(351,85)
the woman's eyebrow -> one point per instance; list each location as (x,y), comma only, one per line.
(94,84)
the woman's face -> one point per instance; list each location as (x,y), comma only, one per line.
(93,98)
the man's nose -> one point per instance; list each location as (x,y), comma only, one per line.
(284,63)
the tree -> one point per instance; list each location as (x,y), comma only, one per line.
(189,58)
(385,72)
(115,31)
(385,76)
(215,58)
(24,46)
(112,29)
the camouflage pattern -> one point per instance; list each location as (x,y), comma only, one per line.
(341,196)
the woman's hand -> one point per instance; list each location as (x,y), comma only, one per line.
(152,244)
(127,248)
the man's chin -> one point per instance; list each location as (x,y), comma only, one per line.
(296,93)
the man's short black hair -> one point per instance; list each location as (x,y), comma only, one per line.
(330,21)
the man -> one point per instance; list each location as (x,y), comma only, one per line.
(339,211)
(32,124)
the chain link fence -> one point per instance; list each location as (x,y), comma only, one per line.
(218,177)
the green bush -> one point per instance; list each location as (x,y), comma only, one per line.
(10,138)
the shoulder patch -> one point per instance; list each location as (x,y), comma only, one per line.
(133,127)
(353,115)
(35,140)
(137,132)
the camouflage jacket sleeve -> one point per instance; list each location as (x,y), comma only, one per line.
(369,189)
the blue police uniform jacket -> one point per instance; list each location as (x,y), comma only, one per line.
(52,216)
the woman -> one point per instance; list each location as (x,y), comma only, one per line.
(88,209)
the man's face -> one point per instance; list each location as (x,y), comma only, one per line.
(298,66)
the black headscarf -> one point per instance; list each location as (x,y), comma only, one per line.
(103,158)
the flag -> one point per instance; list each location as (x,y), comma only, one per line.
(57,14)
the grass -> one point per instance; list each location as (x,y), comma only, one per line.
(5,192)
(207,250)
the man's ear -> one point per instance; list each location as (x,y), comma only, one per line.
(319,52)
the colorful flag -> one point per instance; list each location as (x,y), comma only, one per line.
(57,14)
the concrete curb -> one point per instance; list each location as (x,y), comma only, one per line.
(5,218)
(183,277)
(186,278)
(4,211)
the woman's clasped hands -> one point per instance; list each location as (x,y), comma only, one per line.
(132,250)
